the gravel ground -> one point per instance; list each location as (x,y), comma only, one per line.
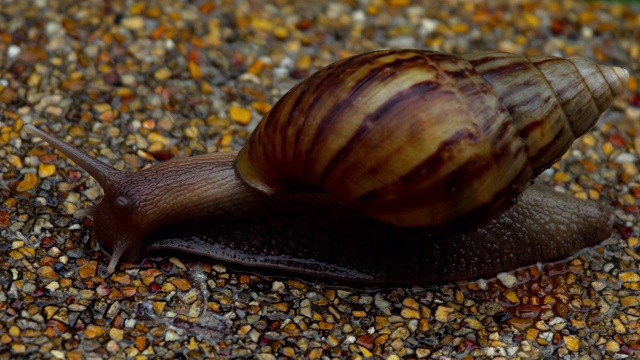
(135,83)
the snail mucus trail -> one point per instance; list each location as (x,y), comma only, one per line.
(363,171)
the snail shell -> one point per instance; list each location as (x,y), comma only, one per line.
(426,139)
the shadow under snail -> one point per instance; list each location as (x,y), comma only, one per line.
(396,167)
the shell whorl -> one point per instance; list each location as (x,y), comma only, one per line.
(420,138)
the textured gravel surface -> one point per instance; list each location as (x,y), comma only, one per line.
(136,83)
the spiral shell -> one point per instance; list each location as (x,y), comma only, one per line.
(421,138)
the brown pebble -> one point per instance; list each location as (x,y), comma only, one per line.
(93,331)
(88,270)
(27,183)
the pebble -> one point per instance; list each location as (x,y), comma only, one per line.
(133,23)
(240,115)
(572,342)
(88,270)
(46,170)
(27,183)
(612,347)
(116,334)
(93,331)
(162,74)
(507,279)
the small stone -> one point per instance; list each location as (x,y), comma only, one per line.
(194,70)
(612,347)
(625,158)
(442,312)
(155,137)
(77,132)
(28,182)
(88,270)
(53,286)
(177,263)
(182,284)
(18,348)
(4,218)
(424,325)
(93,331)
(288,351)
(133,22)
(280,32)
(191,132)
(507,279)
(162,74)
(240,115)
(315,353)
(400,333)
(411,303)
(562,177)
(48,272)
(572,342)
(261,107)
(410,314)
(282,306)
(15,161)
(332,341)
(121,278)
(512,296)
(532,334)
(628,301)
(13,51)
(460,28)
(49,311)
(619,326)
(140,343)
(14,331)
(112,346)
(628,276)
(46,170)
(473,323)
(116,334)
(380,302)
(58,354)
(399,3)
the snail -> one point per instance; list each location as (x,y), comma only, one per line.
(391,167)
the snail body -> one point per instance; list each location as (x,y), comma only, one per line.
(420,141)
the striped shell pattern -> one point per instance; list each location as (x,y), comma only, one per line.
(426,139)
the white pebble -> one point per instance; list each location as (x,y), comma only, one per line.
(507,279)
(632,113)
(358,16)
(428,26)
(625,158)
(13,51)
(171,336)
(402,42)
(482,284)
(57,354)
(350,340)
(130,323)
(380,302)
(280,73)
(52,28)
